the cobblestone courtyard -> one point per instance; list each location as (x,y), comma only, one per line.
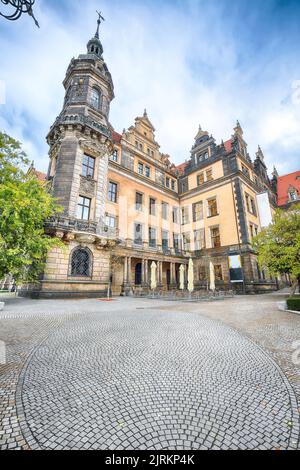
(142,374)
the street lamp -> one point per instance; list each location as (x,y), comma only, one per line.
(20,6)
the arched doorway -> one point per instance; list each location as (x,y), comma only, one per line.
(138,274)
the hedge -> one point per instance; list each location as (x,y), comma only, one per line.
(293,304)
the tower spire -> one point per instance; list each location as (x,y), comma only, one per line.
(94,45)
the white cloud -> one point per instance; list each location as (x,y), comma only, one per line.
(182,65)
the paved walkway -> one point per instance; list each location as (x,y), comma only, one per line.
(134,374)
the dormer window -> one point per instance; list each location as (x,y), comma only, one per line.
(95,98)
(293,195)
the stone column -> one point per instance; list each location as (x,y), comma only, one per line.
(125,272)
(159,270)
(143,273)
(146,273)
(129,273)
(172,275)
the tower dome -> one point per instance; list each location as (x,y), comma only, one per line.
(94,45)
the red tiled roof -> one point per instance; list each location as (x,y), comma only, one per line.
(228,145)
(181,167)
(284,183)
(116,137)
(38,174)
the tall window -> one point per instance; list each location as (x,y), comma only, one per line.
(138,234)
(200,179)
(165,240)
(140,168)
(114,156)
(253,207)
(83,208)
(186,238)
(147,171)
(199,239)
(176,242)
(88,166)
(197,211)
(212,207)
(110,221)
(167,182)
(139,201)
(152,237)
(215,237)
(250,204)
(112,192)
(81,263)
(175,215)
(245,170)
(173,185)
(152,206)
(185,215)
(209,175)
(95,98)
(164,210)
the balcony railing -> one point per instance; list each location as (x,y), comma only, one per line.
(86,120)
(70,224)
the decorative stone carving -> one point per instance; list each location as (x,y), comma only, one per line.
(85,238)
(87,186)
(69,237)
(59,234)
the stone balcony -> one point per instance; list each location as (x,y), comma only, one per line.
(86,230)
(85,121)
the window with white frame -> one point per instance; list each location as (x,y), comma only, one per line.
(186,239)
(197,211)
(185,215)
(138,234)
(199,239)
(83,208)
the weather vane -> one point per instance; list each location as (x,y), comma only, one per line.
(20,6)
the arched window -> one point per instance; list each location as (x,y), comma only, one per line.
(81,263)
(95,98)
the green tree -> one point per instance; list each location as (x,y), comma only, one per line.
(25,205)
(278,245)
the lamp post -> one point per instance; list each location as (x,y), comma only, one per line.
(18,8)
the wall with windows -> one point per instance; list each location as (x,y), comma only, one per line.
(138,203)
(208,210)
(208,173)
(67,272)
(251,211)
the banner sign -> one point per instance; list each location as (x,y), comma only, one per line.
(235,268)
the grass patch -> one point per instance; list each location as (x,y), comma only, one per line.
(293,303)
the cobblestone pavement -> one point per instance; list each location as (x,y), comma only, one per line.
(136,374)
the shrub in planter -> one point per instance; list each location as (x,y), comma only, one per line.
(293,303)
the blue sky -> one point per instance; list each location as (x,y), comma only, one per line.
(186,61)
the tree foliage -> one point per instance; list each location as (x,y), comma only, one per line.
(278,245)
(25,205)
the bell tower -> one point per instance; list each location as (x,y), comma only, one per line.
(80,138)
(80,142)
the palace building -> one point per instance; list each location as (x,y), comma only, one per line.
(127,205)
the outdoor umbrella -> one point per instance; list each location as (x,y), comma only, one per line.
(181,276)
(153,275)
(191,276)
(212,285)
